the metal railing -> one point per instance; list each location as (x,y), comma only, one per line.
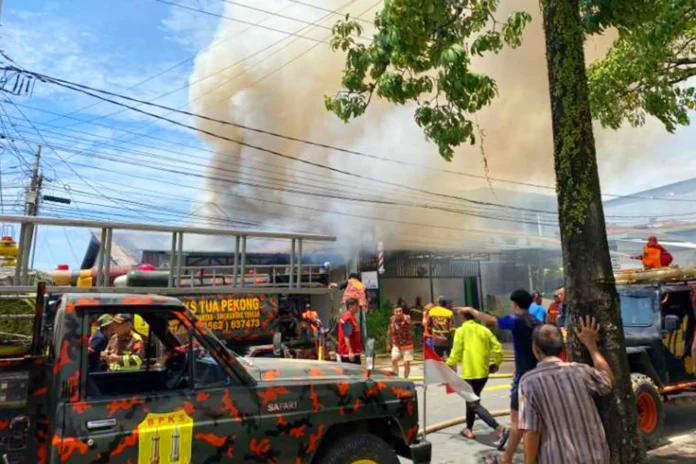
(258,275)
(176,270)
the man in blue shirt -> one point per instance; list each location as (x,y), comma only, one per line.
(536,309)
(521,324)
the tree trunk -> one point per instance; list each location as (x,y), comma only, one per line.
(589,277)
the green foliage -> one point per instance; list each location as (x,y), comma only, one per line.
(648,68)
(422,53)
(15,332)
(378,324)
(601,14)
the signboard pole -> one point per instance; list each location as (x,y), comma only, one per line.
(380,257)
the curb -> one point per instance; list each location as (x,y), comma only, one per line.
(457,421)
(419,378)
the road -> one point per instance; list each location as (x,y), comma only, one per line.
(449,447)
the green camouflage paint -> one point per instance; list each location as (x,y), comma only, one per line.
(274,410)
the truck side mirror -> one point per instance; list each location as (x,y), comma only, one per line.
(671,323)
(277,343)
(370,354)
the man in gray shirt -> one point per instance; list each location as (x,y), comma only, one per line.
(557,409)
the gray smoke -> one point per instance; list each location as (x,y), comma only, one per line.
(280,88)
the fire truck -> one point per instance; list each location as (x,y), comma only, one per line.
(245,305)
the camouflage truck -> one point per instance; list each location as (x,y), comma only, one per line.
(657,311)
(191,399)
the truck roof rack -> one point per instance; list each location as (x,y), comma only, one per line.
(232,277)
(660,275)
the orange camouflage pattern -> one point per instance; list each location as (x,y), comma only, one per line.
(272,411)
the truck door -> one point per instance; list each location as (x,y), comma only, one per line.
(175,405)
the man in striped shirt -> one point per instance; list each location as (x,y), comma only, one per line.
(557,412)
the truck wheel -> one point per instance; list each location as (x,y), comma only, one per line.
(359,448)
(651,413)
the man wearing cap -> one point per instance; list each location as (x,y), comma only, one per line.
(125,349)
(99,341)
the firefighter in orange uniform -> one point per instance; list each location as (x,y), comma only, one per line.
(654,255)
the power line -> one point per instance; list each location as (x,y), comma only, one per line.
(188,173)
(241,21)
(321,145)
(176,160)
(430,226)
(53,150)
(357,18)
(89,91)
(231,66)
(609,216)
(290,18)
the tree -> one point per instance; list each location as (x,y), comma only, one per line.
(647,69)
(421,52)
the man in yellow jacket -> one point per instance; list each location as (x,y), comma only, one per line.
(480,354)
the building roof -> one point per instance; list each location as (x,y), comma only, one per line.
(666,192)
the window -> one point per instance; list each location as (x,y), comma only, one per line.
(637,310)
(147,352)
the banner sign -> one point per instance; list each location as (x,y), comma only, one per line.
(235,317)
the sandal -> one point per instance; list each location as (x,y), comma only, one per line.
(502,441)
(466,433)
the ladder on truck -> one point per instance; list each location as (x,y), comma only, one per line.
(181,279)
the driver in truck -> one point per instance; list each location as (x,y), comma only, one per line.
(125,349)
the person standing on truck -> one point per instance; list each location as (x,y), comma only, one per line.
(349,341)
(353,288)
(480,354)
(125,349)
(440,326)
(549,420)
(521,324)
(400,341)
(99,341)
(654,255)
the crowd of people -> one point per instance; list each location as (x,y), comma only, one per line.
(540,366)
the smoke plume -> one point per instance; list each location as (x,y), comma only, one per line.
(260,78)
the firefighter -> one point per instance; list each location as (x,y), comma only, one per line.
(313,322)
(311,319)
(125,349)
(654,255)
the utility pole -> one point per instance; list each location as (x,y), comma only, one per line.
(33,198)
(34,193)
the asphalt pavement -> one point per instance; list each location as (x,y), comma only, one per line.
(450,447)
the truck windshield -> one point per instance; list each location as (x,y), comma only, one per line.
(637,309)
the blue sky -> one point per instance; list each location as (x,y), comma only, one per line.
(105,45)
(146,49)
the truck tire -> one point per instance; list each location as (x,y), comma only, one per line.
(358,448)
(651,413)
